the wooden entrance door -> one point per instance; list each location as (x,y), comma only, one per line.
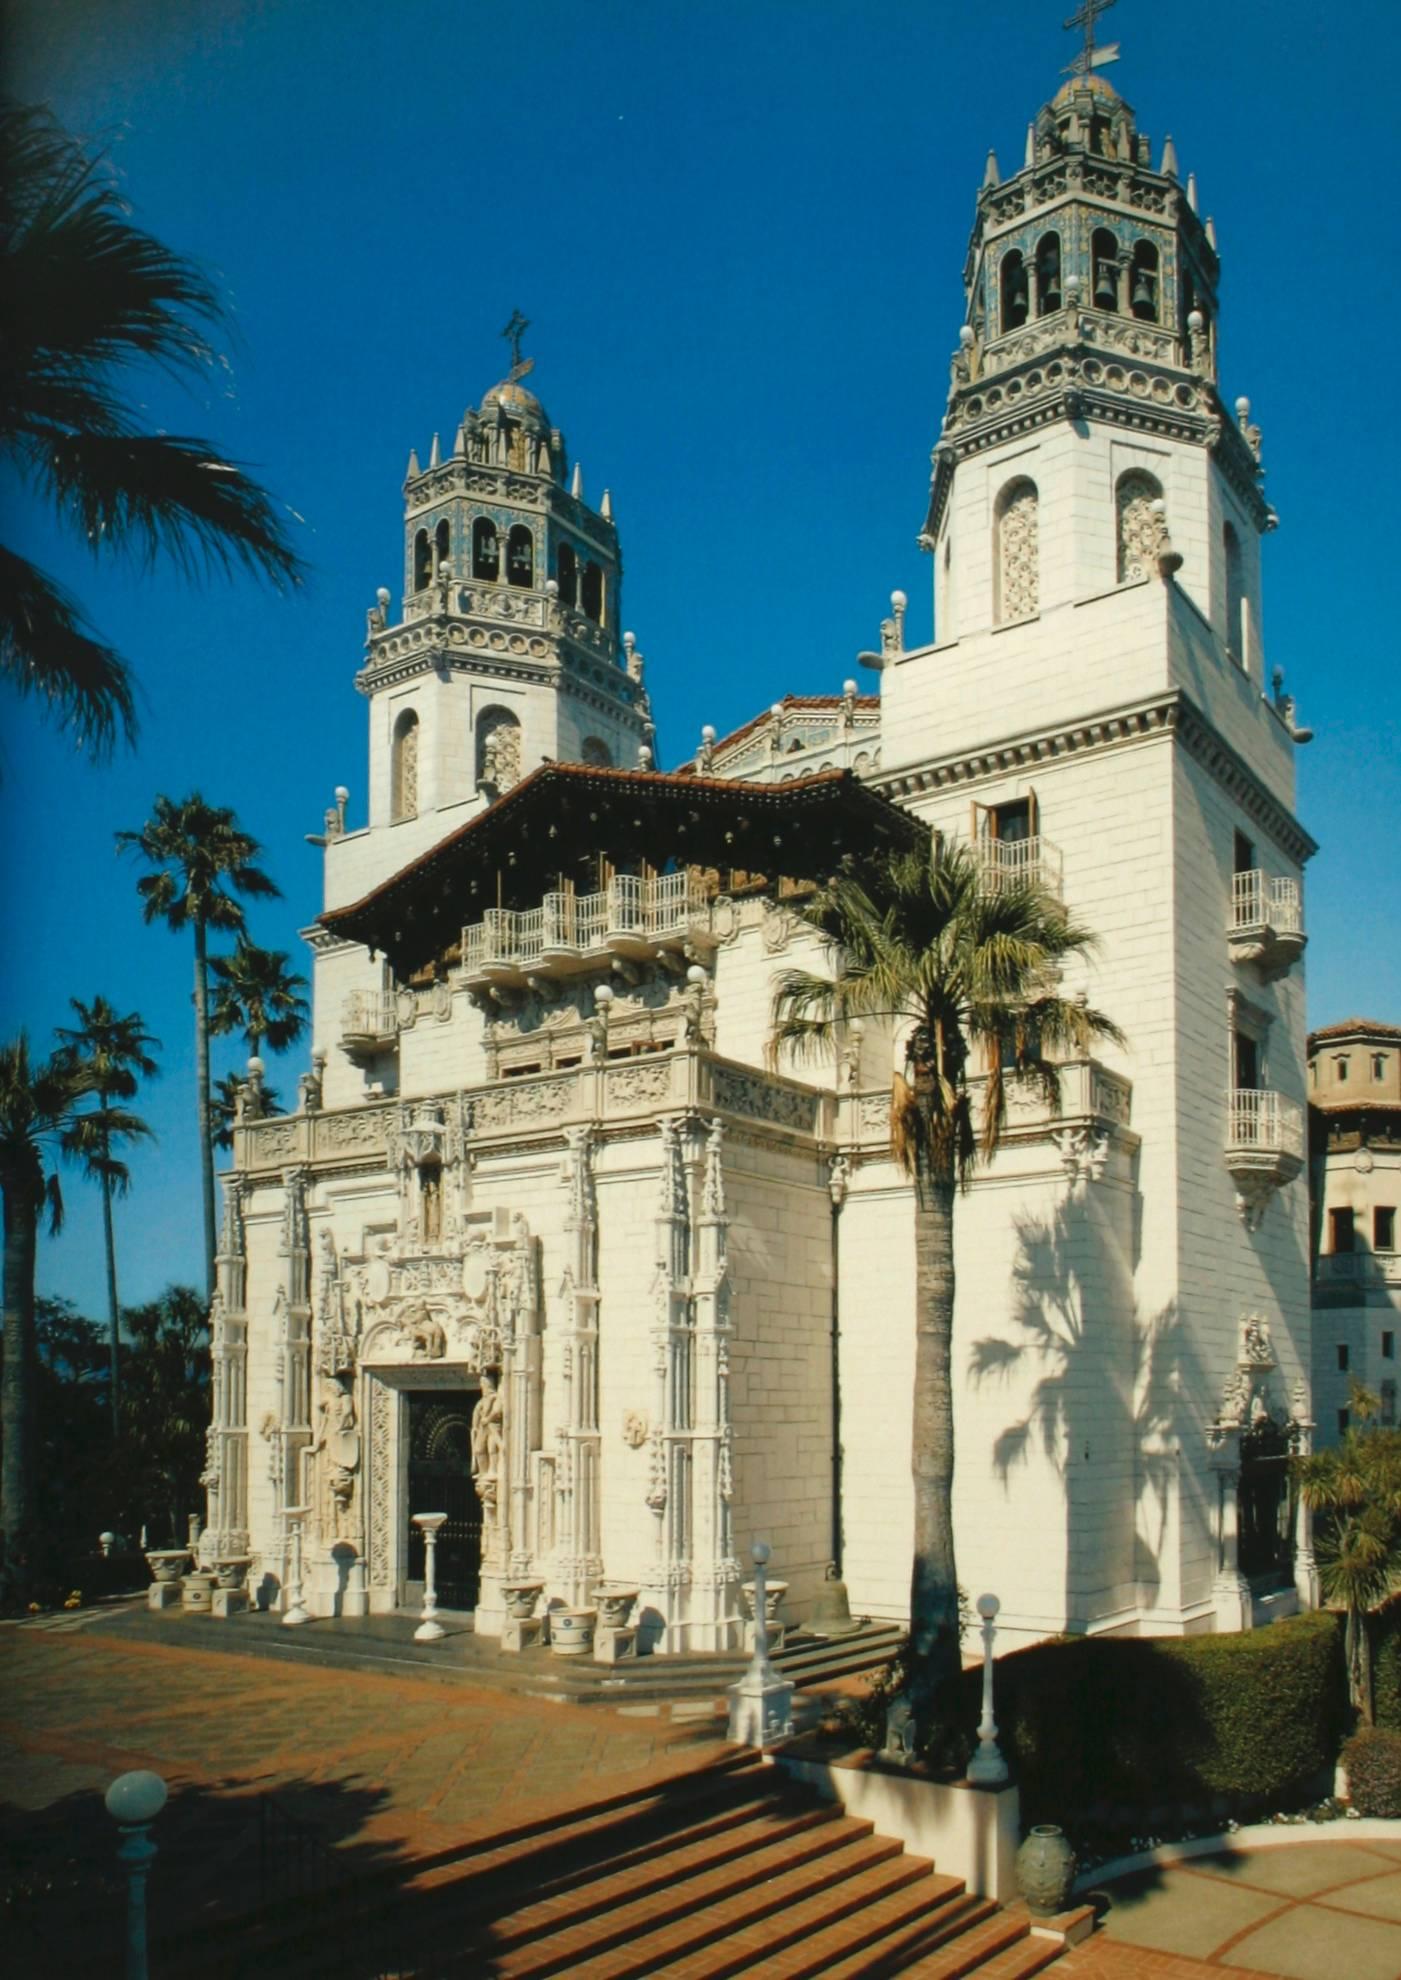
(440,1480)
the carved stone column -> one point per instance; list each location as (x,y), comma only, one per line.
(715,1575)
(1230,1589)
(577,1524)
(226,1467)
(292,1305)
(1305,1560)
(669,1495)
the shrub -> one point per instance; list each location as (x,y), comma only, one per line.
(1373,1761)
(1386,1667)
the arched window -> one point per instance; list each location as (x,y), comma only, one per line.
(422,562)
(498,749)
(591,592)
(1014,291)
(1017,576)
(1235,595)
(1048,286)
(1137,525)
(1104,260)
(442,543)
(568,568)
(486,551)
(595,750)
(520,556)
(1143,282)
(403,767)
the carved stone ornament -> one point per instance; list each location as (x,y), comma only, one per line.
(462,1301)
(1083,1151)
(635,1429)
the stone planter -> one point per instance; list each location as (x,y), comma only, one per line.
(520,1598)
(571,1631)
(773,1600)
(168,1563)
(232,1573)
(614,1606)
(198,1591)
(1046,1870)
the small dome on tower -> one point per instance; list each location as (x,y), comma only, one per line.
(513,399)
(1097,86)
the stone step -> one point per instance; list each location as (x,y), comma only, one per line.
(1030,1955)
(839,1921)
(906,1940)
(971,1953)
(643,1940)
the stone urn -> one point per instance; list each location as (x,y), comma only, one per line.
(520,1598)
(232,1573)
(167,1563)
(773,1601)
(197,1590)
(1046,1870)
(571,1631)
(614,1605)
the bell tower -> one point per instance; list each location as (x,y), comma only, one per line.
(508,650)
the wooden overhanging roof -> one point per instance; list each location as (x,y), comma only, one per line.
(556,822)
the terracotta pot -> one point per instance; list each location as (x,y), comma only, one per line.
(571,1631)
(614,1606)
(1046,1870)
(521,1597)
(168,1563)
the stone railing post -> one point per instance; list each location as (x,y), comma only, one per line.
(134,1801)
(987,1768)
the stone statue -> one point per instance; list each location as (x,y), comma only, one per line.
(426,1336)
(488,1434)
(339,1438)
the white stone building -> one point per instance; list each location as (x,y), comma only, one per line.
(544,1147)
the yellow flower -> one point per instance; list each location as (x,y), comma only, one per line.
(34,1608)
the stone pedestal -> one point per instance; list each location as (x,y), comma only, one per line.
(163,1595)
(524,1633)
(613,1646)
(761,1707)
(196,1592)
(1234,1603)
(229,1602)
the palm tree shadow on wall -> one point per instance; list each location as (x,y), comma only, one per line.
(1106,1392)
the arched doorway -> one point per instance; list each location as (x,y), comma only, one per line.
(440,1480)
(1265,1523)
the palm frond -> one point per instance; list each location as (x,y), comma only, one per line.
(45,651)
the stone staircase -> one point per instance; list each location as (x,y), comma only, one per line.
(731,1869)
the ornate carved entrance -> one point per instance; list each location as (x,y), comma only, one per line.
(440,1480)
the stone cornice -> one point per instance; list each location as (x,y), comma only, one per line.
(1169,714)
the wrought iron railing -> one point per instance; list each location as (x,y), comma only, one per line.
(1020,862)
(1259,902)
(366,1014)
(1264,1120)
(630,907)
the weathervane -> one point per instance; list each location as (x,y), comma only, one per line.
(1085,16)
(519,324)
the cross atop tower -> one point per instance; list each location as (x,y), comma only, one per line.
(1085,16)
(519,324)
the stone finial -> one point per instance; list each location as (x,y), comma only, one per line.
(644,757)
(1211,231)
(576,485)
(459,445)
(1192,190)
(605,507)
(992,175)
(1168,167)
(411,473)
(435,453)
(1030,155)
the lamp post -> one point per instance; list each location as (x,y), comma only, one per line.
(429,1629)
(987,1768)
(761,1704)
(296,1611)
(134,1801)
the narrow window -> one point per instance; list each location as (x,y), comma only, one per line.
(1245,854)
(1388,1346)
(1104,256)
(1049,296)
(442,544)
(594,750)
(520,556)
(498,750)
(568,566)
(591,592)
(1344,1357)
(1342,1229)
(1014,291)
(403,770)
(486,552)
(1384,1227)
(1344,1418)
(1378,1065)
(1388,1416)
(1247,1056)
(1138,524)
(1340,1071)
(422,563)
(1235,595)
(1143,280)
(1017,560)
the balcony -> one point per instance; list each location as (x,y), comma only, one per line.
(1020,862)
(369,1024)
(1264,1148)
(1358,1268)
(1267,923)
(632,917)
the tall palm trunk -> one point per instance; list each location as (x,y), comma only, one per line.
(934,1581)
(206,1139)
(113,1305)
(17,1394)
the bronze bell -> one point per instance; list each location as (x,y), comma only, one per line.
(832,1615)
(1142,290)
(1106,288)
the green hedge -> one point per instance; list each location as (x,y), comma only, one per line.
(1116,1729)
(1386,1667)
(1373,1761)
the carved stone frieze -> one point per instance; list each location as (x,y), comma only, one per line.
(763,1099)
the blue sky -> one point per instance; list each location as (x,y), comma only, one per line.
(738,234)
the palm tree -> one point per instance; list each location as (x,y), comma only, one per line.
(38,1104)
(114,1050)
(967,972)
(83,293)
(1355,1488)
(198,853)
(257,994)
